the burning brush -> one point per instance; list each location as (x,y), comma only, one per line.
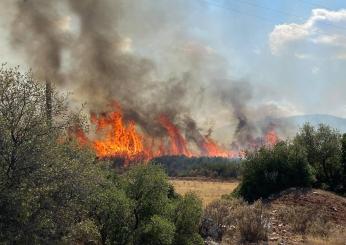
(116,138)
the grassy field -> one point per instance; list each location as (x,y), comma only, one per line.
(207,190)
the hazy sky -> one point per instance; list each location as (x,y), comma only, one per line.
(292,51)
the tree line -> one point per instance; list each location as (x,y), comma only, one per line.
(210,167)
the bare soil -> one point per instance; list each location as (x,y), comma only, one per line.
(321,203)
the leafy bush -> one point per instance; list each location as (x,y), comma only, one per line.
(324,150)
(270,170)
(140,207)
(187,218)
(158,231)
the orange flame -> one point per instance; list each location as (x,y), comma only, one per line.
(210,148)
(178,145)
(271,138)
(82,139)
(118,138)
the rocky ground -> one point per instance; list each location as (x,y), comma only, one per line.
(319,217)
(317,203)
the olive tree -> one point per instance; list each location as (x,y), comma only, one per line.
(44,176)
(324,152)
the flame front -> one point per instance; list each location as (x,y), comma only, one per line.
(210,148)
(116,138)
(178,145)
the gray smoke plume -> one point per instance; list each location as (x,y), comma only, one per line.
(90,55)
(35,30)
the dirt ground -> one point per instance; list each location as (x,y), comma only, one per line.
(322,203)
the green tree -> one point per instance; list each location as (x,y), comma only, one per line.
(270,170)
(188,215)
(113,211)
(324,151)
(343,144)
(148,187)
(44,177)
(158,231)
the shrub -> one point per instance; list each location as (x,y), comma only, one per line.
(220,217)
(324,150)
(253,222)
(188,215)
(232,220)
(140,207)
(271,170)
(158,231)
(305,221)
(85,232)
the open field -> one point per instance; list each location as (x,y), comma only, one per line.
(207,190)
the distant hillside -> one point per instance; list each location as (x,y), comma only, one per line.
(297,121)
(288,126)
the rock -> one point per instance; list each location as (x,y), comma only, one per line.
(272,239)
(209,241)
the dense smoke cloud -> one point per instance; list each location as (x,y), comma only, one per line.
(81,45)
(35,29)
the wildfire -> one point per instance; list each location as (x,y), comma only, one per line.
(271,138)
(210,148)
(178,145)
(116,138)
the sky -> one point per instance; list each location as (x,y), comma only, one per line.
(293,49)
(292,52)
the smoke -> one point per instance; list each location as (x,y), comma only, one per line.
(83,45)
(35,29)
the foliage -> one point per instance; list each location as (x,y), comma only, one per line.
(270,170)
(148,187)
(113,213)
(188,214)
(158,231)
(324,153)
(213,167)
(54,191)
(343,161)
(143,210)
(44,177)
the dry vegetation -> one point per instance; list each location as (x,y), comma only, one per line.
(207,190)
(296,216)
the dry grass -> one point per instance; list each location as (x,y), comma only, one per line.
(208,191)
(336,238)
